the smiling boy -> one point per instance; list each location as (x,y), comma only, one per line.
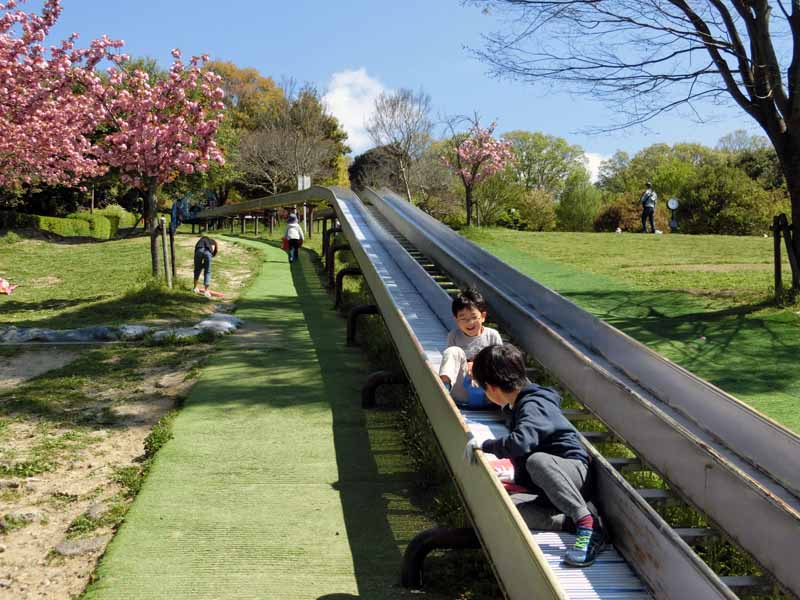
(463,344)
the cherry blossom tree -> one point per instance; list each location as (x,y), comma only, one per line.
(475,155)
(160,128)
(48,109)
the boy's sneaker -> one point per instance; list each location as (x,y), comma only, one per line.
(207,294)
(588,544)
(196,290)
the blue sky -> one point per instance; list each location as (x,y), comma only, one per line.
(352,50)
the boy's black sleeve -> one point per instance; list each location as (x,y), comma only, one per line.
(523,439)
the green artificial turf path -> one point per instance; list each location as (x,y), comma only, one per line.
(276,484)
(701,301)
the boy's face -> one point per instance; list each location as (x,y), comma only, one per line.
(470,321)
(495,395)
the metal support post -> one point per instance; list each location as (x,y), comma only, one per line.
(437,538)
(241,224)
(377,379)
(330,260)
(326,240)
(256,226)
(340,280)
(352,319)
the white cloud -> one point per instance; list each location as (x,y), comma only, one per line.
(350,98)
(592,161)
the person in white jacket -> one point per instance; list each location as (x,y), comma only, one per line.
(294,236)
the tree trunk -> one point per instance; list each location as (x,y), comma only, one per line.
(468,200)
(150,219)
(404,177)
(789,155)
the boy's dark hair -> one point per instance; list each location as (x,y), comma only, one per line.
(469,298)
(502,366)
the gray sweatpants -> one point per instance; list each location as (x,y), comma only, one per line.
(561,481)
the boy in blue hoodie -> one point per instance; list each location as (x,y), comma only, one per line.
(544,447)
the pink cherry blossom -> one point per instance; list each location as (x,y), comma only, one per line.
(47,105)
(475,156)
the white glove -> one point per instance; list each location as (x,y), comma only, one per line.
(469,449)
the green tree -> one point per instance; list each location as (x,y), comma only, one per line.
(579,203)
(495,195)
(543,161)
(723,199)
(537,210)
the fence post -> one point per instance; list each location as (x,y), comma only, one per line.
(787,237)
(172,254)
(167,269)
(776,244)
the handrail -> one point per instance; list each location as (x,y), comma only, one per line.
(715,449)
(315,194)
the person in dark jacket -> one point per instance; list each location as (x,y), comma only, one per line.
(544,447)
(204,250)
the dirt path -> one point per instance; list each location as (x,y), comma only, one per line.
(66,472)
(30,363)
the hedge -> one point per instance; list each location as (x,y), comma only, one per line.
(70,227)
(100,227)
(126,220)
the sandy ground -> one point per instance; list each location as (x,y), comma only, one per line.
(31,567)
(23,366)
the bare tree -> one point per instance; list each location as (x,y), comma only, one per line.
(257,160)
(297,140)
(648,57)
(402,125)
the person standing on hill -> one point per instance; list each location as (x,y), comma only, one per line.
(648,201)
(204,250)
(294,236)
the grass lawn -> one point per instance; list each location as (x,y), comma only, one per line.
(704,302)
(64,285)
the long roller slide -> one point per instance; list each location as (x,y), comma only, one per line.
(731,462)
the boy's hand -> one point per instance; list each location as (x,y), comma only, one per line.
(469,368)
(469,449)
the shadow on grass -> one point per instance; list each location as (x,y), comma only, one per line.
(144,303)
(746,350)
(375,475)
(372,466)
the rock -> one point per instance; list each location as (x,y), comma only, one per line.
(171,380)
(27,516)
(133,332)
(182,333)
(8,484)
(2,548)
(220,324)
(5,583)
(226,318)
(96,511)
(86,334)
(82,546)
